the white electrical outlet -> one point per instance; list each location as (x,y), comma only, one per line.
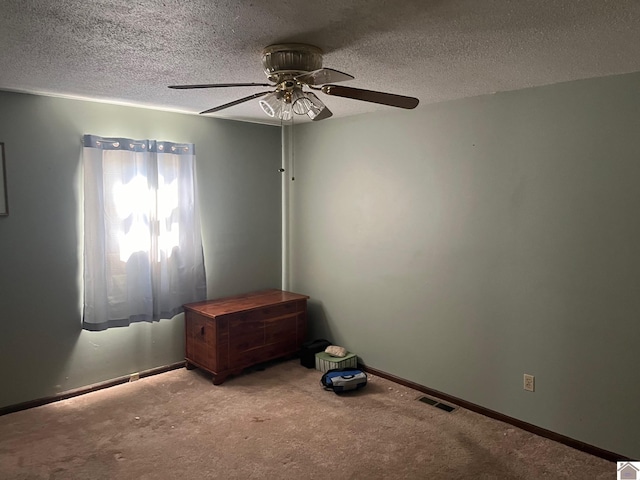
(529,382)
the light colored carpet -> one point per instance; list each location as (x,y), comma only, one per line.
(277,423)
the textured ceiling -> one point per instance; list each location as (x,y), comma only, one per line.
(130,50)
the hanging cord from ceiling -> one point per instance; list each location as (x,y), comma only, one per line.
(289,146)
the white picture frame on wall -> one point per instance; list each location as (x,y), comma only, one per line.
(4,199)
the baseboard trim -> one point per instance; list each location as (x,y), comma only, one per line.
(543,432)
(88,389)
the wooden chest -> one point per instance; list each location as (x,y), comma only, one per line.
(226,335)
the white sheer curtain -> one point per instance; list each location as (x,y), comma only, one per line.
(142,244)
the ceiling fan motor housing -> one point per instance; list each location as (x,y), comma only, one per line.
(286,60)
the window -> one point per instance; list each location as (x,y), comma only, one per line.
(142,244)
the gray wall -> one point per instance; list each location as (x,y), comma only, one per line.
(42,347)
(466,243)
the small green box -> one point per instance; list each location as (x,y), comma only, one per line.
(325,362)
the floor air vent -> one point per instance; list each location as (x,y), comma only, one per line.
(437,404)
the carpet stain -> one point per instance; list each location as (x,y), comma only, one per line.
(259,420)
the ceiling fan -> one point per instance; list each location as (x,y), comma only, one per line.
(292,67)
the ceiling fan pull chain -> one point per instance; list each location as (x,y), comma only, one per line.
(292,146)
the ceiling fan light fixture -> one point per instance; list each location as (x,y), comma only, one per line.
(315,105)
(286,112)
(270,104)
(301,104)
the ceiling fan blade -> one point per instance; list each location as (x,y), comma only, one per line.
(325,113)
(218,85)
(234,103)
(322,76)
(382,98)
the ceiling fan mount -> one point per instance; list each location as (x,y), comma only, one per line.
(293,66)
(284,61)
